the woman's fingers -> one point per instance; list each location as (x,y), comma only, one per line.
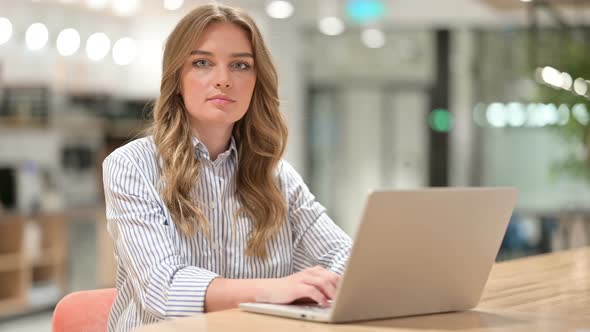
(313,293)
(315,283)
(325,274)
(322,284)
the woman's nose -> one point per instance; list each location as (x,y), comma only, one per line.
(222,80)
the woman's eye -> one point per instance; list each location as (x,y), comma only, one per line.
(241,66)
(201,63)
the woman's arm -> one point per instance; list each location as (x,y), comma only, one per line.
(316,283)
(317,240)
(156,274)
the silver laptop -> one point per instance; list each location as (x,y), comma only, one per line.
(415,252)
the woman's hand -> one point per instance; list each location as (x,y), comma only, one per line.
(315,283)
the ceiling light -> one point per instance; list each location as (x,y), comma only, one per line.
(580,86)
(331,26)
(68,42)
(124,51)
(279,9)
(5,30)
(552,76)
(173,4)
(125,7)
(373,38)
(97,46)
(36,36)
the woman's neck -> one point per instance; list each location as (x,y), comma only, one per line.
(215,139)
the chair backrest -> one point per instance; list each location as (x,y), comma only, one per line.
(84,311)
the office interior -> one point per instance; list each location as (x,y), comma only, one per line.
(378,94)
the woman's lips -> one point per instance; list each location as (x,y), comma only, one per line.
(220,101)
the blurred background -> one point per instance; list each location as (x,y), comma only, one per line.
(377,93)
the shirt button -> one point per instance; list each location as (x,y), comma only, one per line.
(212,206)
(214,246)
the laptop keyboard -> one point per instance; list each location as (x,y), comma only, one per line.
(316,307)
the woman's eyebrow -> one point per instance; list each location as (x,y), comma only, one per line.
(233,55)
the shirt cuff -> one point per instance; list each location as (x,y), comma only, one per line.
(339,263)
(186,295)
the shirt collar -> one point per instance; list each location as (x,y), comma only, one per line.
(202,152)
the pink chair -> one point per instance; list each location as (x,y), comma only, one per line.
(86,311)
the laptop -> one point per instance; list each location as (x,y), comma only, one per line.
(415,252)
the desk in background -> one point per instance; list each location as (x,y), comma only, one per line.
(542,293)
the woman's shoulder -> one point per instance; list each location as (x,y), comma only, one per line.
(140,151)
(287,172)
(282,167)
(137,158)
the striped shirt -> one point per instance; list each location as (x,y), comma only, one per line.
(163,274)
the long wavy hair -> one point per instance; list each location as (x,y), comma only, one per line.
(260,135)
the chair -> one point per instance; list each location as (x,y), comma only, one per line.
(84,311)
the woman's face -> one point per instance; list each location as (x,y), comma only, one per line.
(218,78)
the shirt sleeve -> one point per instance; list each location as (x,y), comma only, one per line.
(146,244)
(317,240)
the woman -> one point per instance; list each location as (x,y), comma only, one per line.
(204,214)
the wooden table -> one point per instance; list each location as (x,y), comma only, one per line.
(541,293)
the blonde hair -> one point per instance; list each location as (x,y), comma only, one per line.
(260,135)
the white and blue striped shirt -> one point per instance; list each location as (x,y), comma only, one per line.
(162,273)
